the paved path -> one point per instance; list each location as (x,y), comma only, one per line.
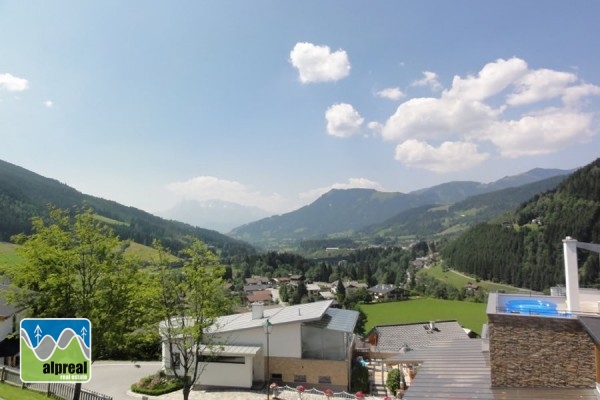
(115,378)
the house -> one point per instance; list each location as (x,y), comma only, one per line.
(10,317)
(254,287)
(264,296)
(385,292)
(257,280)
(313,289)
(308,344)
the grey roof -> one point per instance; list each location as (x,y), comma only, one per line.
(459,369)
(230,350)
(592,327)
(336,319)
(382,288)
(392,338)
(276,316)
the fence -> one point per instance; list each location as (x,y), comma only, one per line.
(290,393)
(61,391)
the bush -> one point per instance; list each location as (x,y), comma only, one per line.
(360,379)
(393,380)
(156,385)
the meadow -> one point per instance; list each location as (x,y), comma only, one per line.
(469,315)
(459,280)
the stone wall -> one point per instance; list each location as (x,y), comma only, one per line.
(289,368)
(530,351)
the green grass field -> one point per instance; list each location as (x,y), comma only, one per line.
(459,281)
(10,392)
(8,254)
(468,315)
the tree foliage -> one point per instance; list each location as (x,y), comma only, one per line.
(74,267)
(189,301)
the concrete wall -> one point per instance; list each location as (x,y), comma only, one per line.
(225,374)
(530,351)
(312,369)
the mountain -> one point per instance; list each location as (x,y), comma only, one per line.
(25,194)
(430,220)
(219,215)
(336,211)
(525,249)
(344,212)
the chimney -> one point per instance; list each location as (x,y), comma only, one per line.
(258,310)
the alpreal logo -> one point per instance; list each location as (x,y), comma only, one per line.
(56,350)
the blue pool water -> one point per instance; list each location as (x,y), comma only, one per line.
(532,306)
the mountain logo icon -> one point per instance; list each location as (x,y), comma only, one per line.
(56,350)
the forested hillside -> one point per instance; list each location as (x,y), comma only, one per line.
(527,250)
(24,194)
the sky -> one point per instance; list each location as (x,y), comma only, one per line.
(273,103)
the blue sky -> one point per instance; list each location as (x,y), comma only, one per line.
(272,103)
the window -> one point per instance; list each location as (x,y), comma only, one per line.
(324,379)
(175,360)
(300,378)
(277,377)
(222,359)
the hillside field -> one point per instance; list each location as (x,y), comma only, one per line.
(459,280)
(469,315)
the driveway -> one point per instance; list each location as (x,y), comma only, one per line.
(114,378)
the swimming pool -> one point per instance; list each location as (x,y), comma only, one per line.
(532,306)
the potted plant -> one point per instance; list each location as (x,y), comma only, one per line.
(300,390)
(328,393)
(274,388)
(359,395)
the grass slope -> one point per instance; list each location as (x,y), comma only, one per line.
(10,392)
(469,315)
(459,280)
(8,254)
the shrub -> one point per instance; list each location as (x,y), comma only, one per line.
(156,385)
(393,380)
(360,379)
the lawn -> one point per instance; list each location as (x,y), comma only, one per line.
(459,281)
(10,392)
(8,254)
(469,315)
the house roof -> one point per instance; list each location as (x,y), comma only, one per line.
(336,319)
(382,288)
(254,287)
(260,295)
(592,327)
(230,350)
(392,338)
(256,279)
(276,316)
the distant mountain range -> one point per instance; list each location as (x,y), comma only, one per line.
(364,212)
(219,215)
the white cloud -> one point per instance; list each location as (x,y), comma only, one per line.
(48,104)
(449,157)
(11,83)
(210,188)
(343,120)
(573,94)
(363,183)
(429,79)
(538,85)
(544,133)
(428,117)
(391,93)
(491,80)
(474,110)
(318,63)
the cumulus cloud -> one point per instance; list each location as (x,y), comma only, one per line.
(391,93)
(540,134)
(546,112)
(318,64)
(210,188)
(352,183)
(430,79)
(343,120)
(11,83)
(448,157)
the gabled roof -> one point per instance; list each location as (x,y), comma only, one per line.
(392,338)
(260,295)
(277,316)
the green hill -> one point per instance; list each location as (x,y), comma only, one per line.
(24,194)
(526,250)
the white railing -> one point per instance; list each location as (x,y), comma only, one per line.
(291,393)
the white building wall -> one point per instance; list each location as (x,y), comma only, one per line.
(284,341)
(226,374)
